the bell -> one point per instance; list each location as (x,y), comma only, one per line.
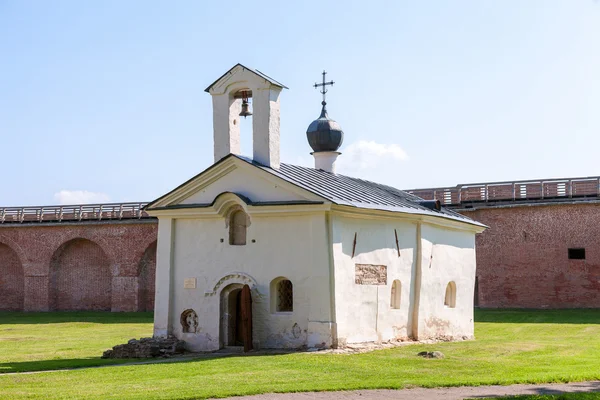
(245,109)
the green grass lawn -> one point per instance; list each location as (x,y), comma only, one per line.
(511,347)
(43,341)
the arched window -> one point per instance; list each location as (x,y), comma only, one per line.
(238,223)
(282,295)
(450,298)
(396,294)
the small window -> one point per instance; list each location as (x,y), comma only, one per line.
(237,228)
(450,297)
(285,296)
(576,254)
(396,294)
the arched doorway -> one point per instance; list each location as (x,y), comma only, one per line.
(236,316)
(12,281)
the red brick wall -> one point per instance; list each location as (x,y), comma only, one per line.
(147,273)
(87,265)
(11,280)
(80,277)
(522,259)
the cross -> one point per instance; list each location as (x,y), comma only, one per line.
(324,86)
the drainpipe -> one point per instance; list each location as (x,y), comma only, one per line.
(417,286)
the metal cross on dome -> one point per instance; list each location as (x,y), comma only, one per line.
(324,86)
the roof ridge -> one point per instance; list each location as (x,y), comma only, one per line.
(356,192)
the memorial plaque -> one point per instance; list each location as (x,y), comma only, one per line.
(369,274)
(189,283)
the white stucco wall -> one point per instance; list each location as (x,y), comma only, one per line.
(447,255)
(291,246)
(363,312)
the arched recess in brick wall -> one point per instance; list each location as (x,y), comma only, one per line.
(146,276)
(80,277)
(12,280)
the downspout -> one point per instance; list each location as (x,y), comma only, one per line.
(332,313)
(417,286)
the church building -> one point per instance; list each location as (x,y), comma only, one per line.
(264,254)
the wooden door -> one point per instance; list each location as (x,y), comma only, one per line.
(247,318)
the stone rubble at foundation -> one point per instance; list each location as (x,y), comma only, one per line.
(147,348)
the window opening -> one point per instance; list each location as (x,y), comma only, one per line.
(237,228)
(450,298)
(285,296)
(576,254)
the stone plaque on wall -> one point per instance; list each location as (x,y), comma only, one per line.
(369,274)
(189,283)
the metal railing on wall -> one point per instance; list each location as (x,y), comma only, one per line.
(546,189)
(83,212)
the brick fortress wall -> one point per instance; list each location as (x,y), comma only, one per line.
(522,259)
(89,265)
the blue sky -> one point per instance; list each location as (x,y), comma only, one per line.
(104,100)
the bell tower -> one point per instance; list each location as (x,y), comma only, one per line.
(232,95)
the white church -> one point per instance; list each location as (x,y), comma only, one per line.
(263,254)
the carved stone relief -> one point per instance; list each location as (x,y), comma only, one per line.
(369,274)
(189,321)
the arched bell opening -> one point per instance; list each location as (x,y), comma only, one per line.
(242,110)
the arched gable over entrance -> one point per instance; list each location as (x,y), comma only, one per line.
(80,277)
(12,280)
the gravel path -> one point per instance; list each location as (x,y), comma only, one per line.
(455,393)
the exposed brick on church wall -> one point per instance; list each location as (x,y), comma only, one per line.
(522,259)
(78,266)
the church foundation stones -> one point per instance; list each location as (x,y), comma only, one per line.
(147,348)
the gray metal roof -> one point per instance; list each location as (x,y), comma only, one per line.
(257,72)
(345,190)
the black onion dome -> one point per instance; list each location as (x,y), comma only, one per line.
(324,134)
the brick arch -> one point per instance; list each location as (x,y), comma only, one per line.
(12,280)
(146,278)
(80,277)
(104,243)
(17,248)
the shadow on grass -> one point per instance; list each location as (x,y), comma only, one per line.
(97,317)
(46,365)
(78,363)
(529,316)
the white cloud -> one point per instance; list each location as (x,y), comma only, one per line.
(65,197)
(369,155)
